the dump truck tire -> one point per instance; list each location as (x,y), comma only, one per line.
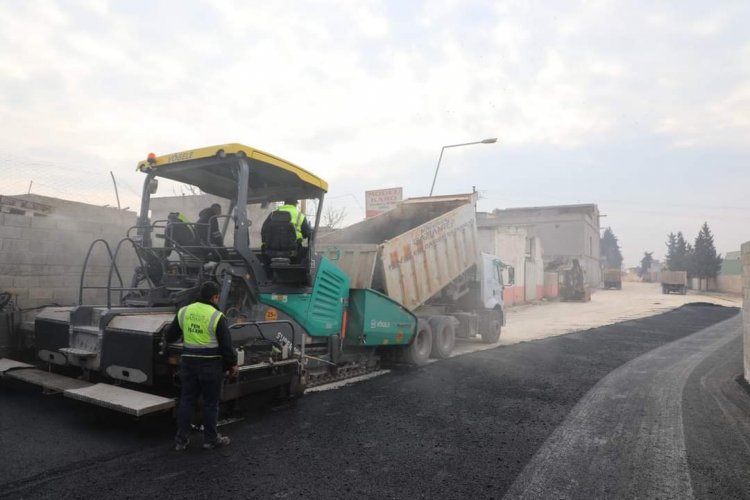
(418,352)
(443,336)
(491,331)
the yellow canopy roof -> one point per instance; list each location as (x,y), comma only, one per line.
(267,171)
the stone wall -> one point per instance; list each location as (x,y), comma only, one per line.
(41,257)
(746,305)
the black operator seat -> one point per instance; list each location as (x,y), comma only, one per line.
(178,233)
(279,238)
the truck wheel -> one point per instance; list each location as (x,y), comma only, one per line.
(418,352)
(443,336)
(492,328)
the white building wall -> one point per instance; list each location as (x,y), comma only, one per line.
(509,243)
(569,232)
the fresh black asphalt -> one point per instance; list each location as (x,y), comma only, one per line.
(466,427)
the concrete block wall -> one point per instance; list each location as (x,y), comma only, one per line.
(729,283)
(41,258)
(746,306)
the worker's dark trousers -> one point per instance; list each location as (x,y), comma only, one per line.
(199,377)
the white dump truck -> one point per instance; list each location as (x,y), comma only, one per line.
(424,254)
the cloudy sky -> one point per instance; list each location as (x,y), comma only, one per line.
(641,107)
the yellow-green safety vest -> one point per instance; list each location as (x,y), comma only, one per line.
(198,323)
(296,217)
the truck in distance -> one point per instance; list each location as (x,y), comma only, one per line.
(612,279)
(674,281)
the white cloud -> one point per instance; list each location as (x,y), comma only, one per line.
(332,85)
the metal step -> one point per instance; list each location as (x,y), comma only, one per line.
(47,380)
(121,399)
(78,353)
(11,364)
(86,329)
(105,395)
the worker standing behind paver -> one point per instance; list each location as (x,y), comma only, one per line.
(207,353)
(208,226)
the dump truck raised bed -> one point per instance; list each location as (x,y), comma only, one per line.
(674,281)
(613,279)
(424,255)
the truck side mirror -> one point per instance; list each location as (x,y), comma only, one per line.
(511,275)
(153,185)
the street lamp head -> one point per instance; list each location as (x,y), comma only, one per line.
(490,140)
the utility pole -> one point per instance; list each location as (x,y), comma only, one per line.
(117,195)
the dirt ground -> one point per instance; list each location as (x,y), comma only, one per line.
(548,319)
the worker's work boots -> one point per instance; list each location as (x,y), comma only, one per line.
(220,442)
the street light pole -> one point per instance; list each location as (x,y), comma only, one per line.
(491,140)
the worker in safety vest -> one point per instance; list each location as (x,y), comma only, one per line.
(299,221)
(207,353)
(178,232)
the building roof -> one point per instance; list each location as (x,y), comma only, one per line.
(581,208)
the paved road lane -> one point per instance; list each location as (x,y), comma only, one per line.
(625,438)
(462,428)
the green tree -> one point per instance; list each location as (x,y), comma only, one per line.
(610,250)
(671,245)
(677,252)
(646,261)
(706,262)
(690,260)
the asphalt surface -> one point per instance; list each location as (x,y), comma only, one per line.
(473,426)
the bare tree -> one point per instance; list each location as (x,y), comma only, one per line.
(183,189)
(332,217)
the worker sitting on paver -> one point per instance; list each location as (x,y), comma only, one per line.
(275,227)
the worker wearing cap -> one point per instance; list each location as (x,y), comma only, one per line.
(207,353)
(299,221)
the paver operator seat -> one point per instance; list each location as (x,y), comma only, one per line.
(279,238)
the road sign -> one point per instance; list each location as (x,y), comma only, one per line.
(382,200)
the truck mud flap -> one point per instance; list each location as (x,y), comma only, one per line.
(105,395)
